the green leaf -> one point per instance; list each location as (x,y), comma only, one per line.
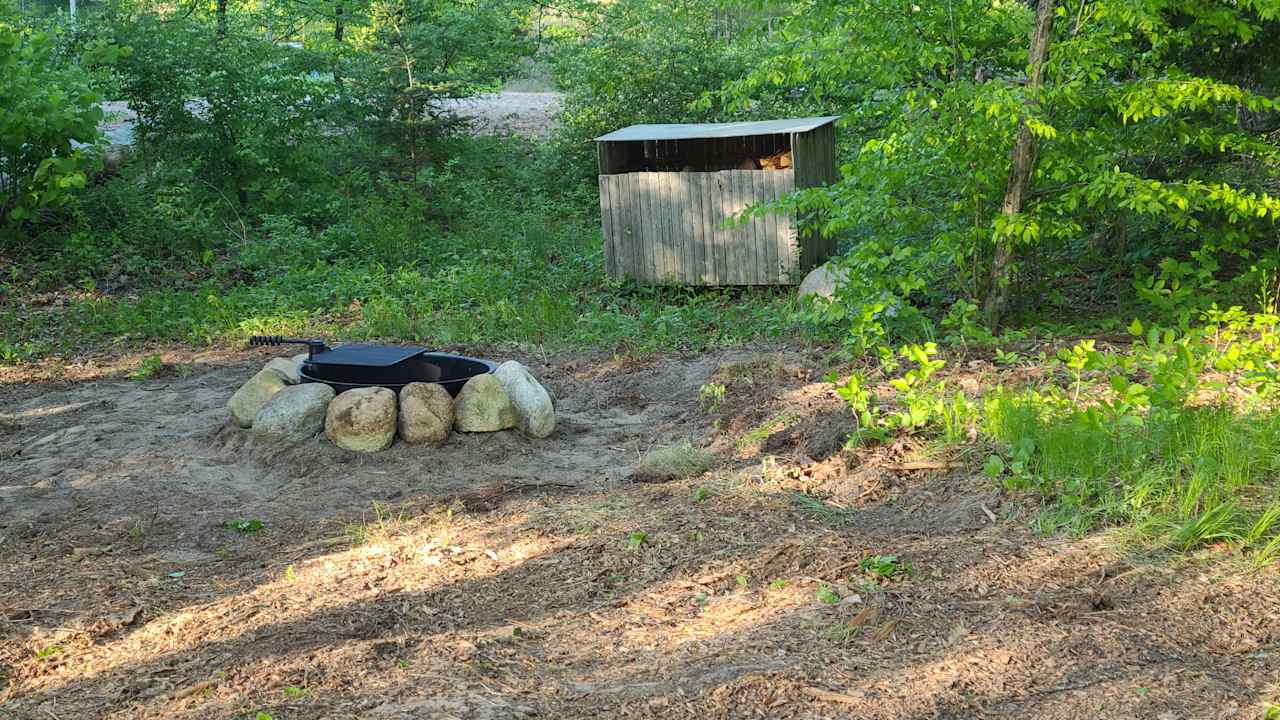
(826,595)
(993,467)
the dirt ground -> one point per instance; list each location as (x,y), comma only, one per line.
(518,113)
(499,577)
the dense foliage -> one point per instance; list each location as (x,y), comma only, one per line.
(1157,151)
(640,61)
(48,113)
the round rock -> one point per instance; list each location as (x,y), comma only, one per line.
(286,368)
(362,420)
(426,413)
(253,395)
(823,280)
(295,413)
(535,411)
(483,406)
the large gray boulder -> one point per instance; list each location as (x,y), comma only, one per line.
(483,406)
(822,281)
(535,411)
(287,368)
(295,413)
(426,413)
(245,404)
(362,420)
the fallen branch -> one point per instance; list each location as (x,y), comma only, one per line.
(834,697)
(921,465)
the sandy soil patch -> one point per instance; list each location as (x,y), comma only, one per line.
(499,577)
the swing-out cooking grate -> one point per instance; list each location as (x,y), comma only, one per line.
(390,366)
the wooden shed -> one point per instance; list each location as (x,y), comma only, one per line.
(667,190)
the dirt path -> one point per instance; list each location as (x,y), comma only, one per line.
(519,113)
(498,577)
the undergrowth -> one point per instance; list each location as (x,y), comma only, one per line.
(508,253)
(1174,434)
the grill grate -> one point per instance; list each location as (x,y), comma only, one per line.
(363,355)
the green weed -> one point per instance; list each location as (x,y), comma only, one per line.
(149,366)
(711,395)
(822,512)
(884,566)
(636,540)
(246,526)
(356,533)
(761,432)
(48,651)
(826,595)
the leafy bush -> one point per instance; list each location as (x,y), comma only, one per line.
(1176,435)
(642,61)
(416,53)
(48,112)
(1153,129)
(245,115)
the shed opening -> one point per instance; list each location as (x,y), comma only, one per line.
(753,152)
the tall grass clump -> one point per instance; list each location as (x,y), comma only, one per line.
(1175,435)
(1178,437)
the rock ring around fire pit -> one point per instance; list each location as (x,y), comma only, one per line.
(364,397)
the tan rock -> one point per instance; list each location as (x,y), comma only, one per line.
(295,413)
(426,413)
(483,406)
(535,412)
(823,280)
(286,368)
(362,420)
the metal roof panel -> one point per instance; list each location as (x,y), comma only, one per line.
(691,131)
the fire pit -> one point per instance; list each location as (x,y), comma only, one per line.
(390,366)
(364,396)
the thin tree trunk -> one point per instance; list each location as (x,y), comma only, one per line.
(338,29)
(1022,163)
(222,19)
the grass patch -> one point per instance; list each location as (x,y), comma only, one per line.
(675,462)
(823,512)
(511,254)
(1187,477)
(762,432)
(1175,435)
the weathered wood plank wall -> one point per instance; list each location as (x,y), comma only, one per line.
(814,156)
(670,227)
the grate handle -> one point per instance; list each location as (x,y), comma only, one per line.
(313,346)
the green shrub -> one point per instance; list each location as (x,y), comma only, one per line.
(642,61)
(673,462)
(1155,134)
(48,111)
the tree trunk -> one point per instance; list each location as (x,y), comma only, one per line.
(338,29)
(222,19)
(1022,163)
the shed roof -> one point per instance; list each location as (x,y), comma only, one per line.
(689,131)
